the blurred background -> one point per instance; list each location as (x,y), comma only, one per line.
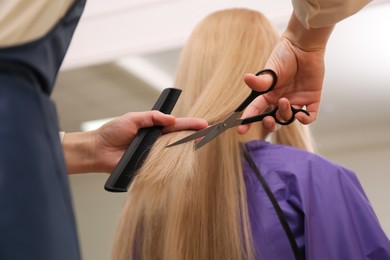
(125,52)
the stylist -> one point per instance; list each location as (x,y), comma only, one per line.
(298,60)
(37,220)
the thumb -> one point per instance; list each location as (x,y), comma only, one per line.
(258,83)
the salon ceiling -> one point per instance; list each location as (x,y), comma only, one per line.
(124,52)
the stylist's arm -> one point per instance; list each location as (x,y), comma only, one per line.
(100,150)
(298,60)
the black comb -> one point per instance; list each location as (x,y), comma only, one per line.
(139,148)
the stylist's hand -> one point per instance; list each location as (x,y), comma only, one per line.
(100,150)
(298,60)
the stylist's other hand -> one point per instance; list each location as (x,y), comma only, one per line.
(100,150)
(298,60)
(114,137)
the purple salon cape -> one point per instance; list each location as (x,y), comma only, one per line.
(325,205)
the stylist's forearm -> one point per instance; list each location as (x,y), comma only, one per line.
(78,152)
(307,39)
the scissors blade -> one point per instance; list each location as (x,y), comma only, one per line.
(194,135)
(217,130)
(229,122)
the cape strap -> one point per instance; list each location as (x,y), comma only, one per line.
(279,212)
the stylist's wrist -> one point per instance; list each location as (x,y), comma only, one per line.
(306,39)
(79,152)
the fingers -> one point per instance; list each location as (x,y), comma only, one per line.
(186,124)
(284,112)
(170,123)
(243,129)
(313,111)
(258,106)
(149,119)
(269,124)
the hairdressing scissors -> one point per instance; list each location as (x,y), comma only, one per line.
(231,121)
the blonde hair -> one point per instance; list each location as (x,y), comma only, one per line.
(187,204)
